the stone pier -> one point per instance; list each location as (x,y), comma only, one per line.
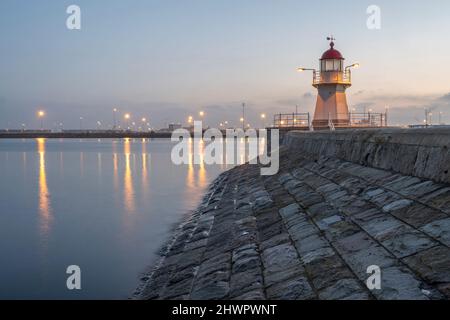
(342,201)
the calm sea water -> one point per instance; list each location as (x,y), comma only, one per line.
(104,205)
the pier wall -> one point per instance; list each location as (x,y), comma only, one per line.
(342,202)
(423,153)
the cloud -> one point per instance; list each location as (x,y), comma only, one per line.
(308,95)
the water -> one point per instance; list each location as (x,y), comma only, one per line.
(106,206)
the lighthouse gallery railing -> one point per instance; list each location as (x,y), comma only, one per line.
(337,77)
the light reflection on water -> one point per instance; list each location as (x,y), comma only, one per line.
(45,213)
(106,206)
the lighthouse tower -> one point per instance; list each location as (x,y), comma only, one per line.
(331,81)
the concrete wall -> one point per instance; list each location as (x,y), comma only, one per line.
(424,153)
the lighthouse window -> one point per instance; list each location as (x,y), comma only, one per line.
(329,65)
(332,65)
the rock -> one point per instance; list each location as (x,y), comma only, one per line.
(295,289)
(280,258)
(432,264)
(345,289)
(397,283)
(212,291)
(439,230)
(399,204)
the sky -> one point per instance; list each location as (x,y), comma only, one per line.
(168,59)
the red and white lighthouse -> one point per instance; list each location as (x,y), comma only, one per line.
(331,81)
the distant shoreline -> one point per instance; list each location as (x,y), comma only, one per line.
(85,135)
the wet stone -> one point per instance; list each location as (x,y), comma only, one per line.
(386,199)
(289,211)
(360,251)
(396,205)
(403,244)
(282,238)
(177,289)
(420,189)
(341,230)
(326,223)
(397,283)
(280,258)
(294,289)
(402,183)
(327,271)
(212,291)
(432,264)
(345,289)
(244,282)
(314,242)
(252,295)
(216,264)
(439,230)
(317,255)
(418,215)
(302,230)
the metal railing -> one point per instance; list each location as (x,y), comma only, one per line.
(368,119)
(344,77)
(292,120)
(352,119)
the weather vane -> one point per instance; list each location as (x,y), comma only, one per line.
(331,38)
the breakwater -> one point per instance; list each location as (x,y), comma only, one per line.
(342,202)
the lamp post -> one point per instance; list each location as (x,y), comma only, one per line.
(386,111)
(306,69)
(41,115)
(263,117)
(114,118)
(81,123)
(243,116)
(127,119)
(355,65)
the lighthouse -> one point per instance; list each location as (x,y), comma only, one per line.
(331,81)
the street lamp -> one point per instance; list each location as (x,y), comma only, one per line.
(306,69)
(263,117)
(355,65)
(114,118)
(41,115)
(127,118)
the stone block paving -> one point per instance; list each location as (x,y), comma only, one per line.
(310,232)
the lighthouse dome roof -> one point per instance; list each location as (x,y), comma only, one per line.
(332,53)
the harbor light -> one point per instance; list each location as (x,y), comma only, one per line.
(305,69)
(41,115)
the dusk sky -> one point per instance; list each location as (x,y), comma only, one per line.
(167,59)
